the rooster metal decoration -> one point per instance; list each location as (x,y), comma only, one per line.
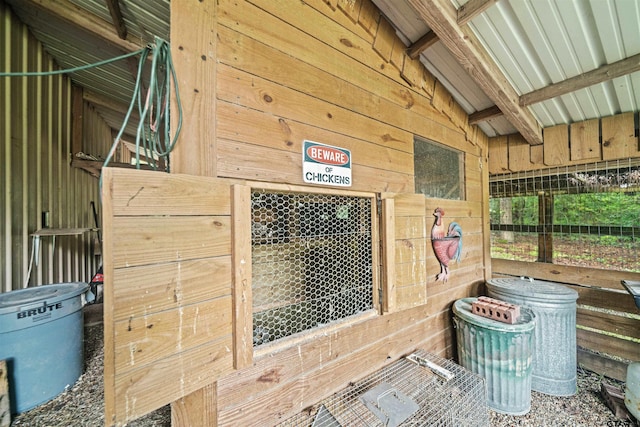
(447,247)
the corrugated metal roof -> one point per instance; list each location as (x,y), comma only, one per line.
(537,43)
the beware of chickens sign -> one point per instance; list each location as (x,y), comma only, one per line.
(326,165)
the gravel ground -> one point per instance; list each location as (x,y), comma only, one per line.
(83,404)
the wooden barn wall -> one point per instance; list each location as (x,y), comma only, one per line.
(36,131)
(334,72)
(606,139)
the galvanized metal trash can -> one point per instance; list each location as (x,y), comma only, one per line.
(41,337)
(555,352)
(499,352)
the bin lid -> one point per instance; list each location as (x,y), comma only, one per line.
(13,300)
(463,310)
(532,289)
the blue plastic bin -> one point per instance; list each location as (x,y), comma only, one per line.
(41,338)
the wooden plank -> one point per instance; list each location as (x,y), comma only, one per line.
(618,137)
(388,241)
(609,322)
(330,376)
(144,340)
(412,72)
(608,344)
(5,408)
(151,240)
(537,156)
(602,365)
(237,123)
(195,60)
(606,299)
(384,39)
(262,164)
(519,153)
(369,16)
(585,140)
(409,227)
(565,274)
(197,409)
(159,287)
(171,378)
(350,8)
(242,281)
(556,145)
(498,155)
(145,192)
(262,95)
(473,8)
(363,72)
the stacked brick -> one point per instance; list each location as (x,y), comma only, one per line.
(496,309)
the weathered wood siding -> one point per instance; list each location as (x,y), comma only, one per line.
(35,154)
(609,138)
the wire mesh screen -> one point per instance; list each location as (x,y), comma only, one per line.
(586,215)
(311,259)
(404,394)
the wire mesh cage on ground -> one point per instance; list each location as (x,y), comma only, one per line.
(421,389)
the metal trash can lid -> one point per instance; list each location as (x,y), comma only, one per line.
(462,309)
(532,289)
(12,301)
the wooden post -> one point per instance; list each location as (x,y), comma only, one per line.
(193,50)
(545,219)
(197,409)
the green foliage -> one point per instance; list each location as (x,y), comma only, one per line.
(616,209)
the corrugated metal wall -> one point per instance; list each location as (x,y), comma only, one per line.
(35,172)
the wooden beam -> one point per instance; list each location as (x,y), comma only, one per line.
(473,8)
(599,75)
(441,17)
(69,12)
(424,43)
(118,20)
(484,115)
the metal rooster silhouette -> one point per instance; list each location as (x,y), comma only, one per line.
(447,247)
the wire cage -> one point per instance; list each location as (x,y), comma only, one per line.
(420,389)
(312,261)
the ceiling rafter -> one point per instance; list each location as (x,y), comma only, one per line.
(118,19)
(484,115)
(67,11)
(422,44)
(473,8)
(441,17)
(599,75)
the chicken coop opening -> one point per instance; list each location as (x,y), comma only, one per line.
(584,216)
(312,261)
(438,170)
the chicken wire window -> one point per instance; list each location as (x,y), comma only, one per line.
(587,216)
(438,170)
(312,261)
